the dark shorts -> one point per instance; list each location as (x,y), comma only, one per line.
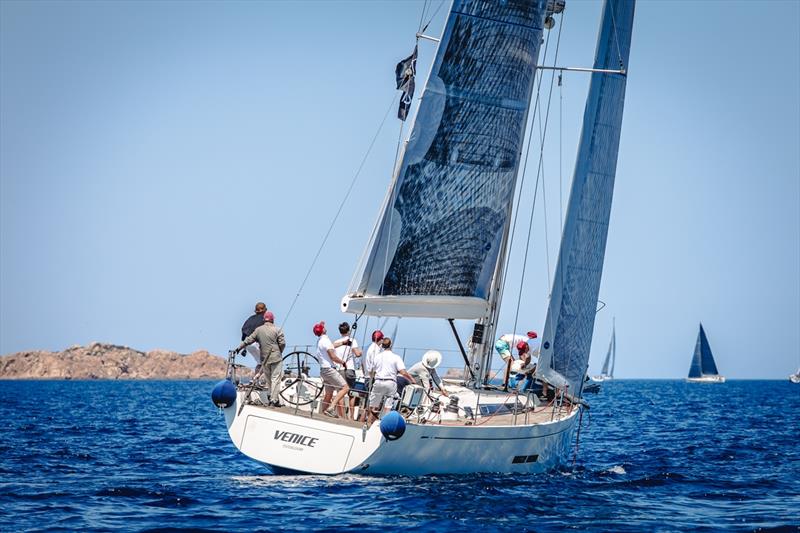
(349,379)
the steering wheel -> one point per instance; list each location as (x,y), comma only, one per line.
(297,367)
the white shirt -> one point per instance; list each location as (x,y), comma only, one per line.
(424,375)
(513,340)
(387,365)
(323,346)
(345,353)
(369,360)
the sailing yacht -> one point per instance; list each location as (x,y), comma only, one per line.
(439,251)
(607,372)
(703,369)
(795,378)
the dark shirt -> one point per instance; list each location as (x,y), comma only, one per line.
(251,324)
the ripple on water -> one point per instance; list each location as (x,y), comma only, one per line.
(654,455)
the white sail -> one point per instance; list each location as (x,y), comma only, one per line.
(570,316)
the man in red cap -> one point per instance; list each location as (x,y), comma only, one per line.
(331,378)
(270,344)
(514,340)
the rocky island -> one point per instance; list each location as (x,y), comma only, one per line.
(109,361)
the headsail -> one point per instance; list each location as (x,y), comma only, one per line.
(436,248)
(570,317)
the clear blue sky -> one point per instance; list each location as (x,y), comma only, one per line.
(163,165)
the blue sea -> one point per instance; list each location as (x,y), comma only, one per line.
(155,456)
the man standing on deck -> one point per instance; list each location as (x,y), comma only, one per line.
(387,366)
(331,378)
(368,366)
(347,350)
(250,326)
(271,344)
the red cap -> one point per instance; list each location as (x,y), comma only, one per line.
(268,316)
(522,346)
(532,335)
(319,328)
(377,335)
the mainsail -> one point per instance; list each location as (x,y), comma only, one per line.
(703,361)
(436,248)
(568,328)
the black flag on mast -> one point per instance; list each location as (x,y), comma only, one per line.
(405,72)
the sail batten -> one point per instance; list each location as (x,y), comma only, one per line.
(442,230)
(570,318)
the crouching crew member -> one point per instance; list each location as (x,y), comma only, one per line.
(424,373)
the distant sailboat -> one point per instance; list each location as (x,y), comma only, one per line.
(703,369)
(607,372)
(795,378)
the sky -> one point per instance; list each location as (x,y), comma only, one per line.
(165,165)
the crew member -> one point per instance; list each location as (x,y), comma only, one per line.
(270,341)
(347,350)
(387,367)
(368,365)
(331,378)
(424,373)
(503,346)
(249,326)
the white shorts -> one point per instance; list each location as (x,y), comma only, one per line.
(332,379)
(381,389)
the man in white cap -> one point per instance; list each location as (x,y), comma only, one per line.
(425,373)
(270,344)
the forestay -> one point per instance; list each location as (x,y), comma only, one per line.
(568,328)
(436,248)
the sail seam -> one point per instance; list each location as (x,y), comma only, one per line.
(506,22)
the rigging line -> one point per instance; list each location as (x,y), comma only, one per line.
(432,17)
(616,35)
(522,173)
(544,200)
(539,171)
(338,211)
(422,15)
(560,152)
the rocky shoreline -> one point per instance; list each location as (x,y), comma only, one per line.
(111,362)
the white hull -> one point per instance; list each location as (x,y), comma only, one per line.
(707,379)
(794,378)
(602,377)
(320,445)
